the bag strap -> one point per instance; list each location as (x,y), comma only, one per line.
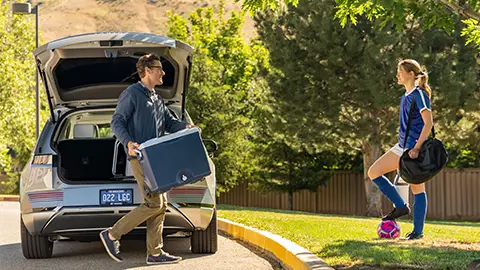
(433,126)
(409,122)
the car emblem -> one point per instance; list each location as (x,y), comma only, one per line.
(184,178)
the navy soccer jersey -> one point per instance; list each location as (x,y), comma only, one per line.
(422,102)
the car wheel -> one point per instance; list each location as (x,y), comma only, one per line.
(35,246)
(206,241)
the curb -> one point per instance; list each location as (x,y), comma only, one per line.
(9,198)
(290,254)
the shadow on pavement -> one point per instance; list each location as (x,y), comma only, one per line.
(77,255)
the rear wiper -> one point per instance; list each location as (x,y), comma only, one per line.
(131,76)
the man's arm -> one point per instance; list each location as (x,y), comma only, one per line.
(122,114)
(171,123)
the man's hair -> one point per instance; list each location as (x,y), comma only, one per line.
(146,61)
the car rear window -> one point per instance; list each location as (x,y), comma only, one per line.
(93,125)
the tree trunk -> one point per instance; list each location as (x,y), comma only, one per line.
(371,152)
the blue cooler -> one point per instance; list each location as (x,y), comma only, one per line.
(173,160)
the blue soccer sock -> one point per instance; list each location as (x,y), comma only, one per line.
(419,212)
(389,191)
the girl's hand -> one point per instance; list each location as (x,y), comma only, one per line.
(413,153)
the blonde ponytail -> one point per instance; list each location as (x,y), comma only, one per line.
(423,82)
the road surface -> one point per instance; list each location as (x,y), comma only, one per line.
(76,255)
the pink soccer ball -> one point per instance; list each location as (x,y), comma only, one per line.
(388,229)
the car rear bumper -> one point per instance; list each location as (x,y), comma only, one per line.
(65,221)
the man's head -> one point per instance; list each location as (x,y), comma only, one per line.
(150,68)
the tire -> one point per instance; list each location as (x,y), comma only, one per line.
(206,241)
(35,246)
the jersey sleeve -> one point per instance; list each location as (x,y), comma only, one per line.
(422,101)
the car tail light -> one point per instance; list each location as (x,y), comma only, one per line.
(42,160)
(46,196)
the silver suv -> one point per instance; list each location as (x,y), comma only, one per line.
(78,180)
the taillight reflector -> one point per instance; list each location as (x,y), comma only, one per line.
(42,159)
(46,196)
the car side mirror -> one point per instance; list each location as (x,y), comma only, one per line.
(210,145)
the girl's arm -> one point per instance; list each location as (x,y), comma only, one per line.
(428,120)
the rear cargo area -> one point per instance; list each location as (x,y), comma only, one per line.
(89,159)
(85,148)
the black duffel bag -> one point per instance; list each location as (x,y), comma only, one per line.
(431,159)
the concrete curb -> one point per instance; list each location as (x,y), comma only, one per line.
(9,198)
(290,254)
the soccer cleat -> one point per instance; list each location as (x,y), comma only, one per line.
(412,236)
(397,212)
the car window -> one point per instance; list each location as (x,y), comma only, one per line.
(66,132)
(86,125)
(105,131)
(96,124)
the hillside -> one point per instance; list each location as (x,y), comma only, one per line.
(60,18)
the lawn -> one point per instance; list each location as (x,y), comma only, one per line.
(352,241)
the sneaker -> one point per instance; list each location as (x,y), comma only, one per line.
(397,212)
(163,258)
(412,236)
(112,246)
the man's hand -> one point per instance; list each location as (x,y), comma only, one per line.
(192,126)
(132,146)
(413,153)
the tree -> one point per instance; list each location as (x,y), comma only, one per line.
(283,163)
(17,96)
(335,88)
(256,5)
(285,168)
(288,170)
(223,93)
(427,13)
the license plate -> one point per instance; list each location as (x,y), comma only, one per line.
(116,196)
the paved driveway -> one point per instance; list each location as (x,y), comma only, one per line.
(76,255)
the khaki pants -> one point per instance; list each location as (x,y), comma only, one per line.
(152,210)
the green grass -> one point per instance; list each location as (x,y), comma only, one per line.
(352,241)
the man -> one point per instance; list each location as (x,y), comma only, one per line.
(142,115)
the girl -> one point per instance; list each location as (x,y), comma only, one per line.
(415,81)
